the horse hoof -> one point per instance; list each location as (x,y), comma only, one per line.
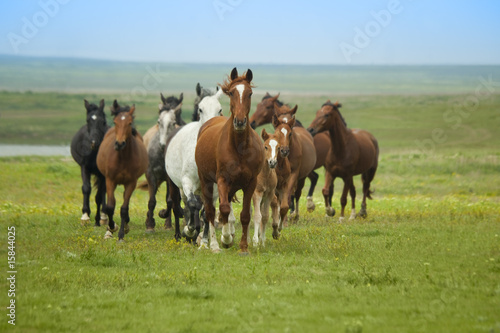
(217,250)
(294,217)
(168,225)
(121,241)
(341,219)
(330,211)
(108,235)
(199,241)
(126,229)
(104,219)
(227,246)
(244,253)
(163,214)
(150,230)
(276,235)
(115,229)
(84,220)
(363,214)
(310,205)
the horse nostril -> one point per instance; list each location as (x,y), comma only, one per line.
(119,145)
(253,124)
(311,130)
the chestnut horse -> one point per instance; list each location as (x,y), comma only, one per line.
(230,154)
(122,159)
(353,152)
(302,153)
(264,114)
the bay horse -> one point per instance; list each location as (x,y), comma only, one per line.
(84,147)
(156,174)
(122,159)
(272,185)
(353,152)
(302,154)
(230,154)
(264,114)
(166,104)
(180,165)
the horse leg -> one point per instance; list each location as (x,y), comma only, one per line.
(245,214)
(225,209)
(352,191)
(124,215)
(257,216)
(167,212)
(152,188)
(275,209)
(203,242)
(86,188)
(176,207)
(298,193)
(100,201)
(291,186)
(367,178)
(313,177)
(110,208)
(343,198)
(283,200)
(328,193)
(207,190)
(265,216)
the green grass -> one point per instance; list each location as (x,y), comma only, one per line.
(426,259)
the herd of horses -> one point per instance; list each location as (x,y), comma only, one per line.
(213,157)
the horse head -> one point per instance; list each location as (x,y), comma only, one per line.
(326,118)
(201,93)
(284,113)
(264,112)
(167,122)
(123,127)
(239,90)
(271,147)
(283,132)
(210,107)
(170,103)
(96,123)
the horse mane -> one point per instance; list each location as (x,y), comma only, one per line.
(228,82)
(336,107)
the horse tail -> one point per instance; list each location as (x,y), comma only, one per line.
(369,194)
(235,199)
(97,181)
(143,186)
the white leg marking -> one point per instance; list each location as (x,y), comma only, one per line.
(353,215)
(85,217)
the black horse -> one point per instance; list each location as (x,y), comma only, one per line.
(84,147)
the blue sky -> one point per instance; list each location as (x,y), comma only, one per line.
(256,31)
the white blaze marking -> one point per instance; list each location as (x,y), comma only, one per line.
(284,131)
(273,143)
(94,117)
(285,120)
(123,117)
(241,89)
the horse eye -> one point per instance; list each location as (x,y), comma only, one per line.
(200,110)
(265,147)
(250,95)
(230,94)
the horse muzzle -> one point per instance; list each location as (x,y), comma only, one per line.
(312,131)
(240,125)
(253,124)
(285,151)
(272,163)
(119,145)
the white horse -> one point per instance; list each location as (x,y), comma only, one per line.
(181,165)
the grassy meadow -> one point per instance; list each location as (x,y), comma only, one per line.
(427,258)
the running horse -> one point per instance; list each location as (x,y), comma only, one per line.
(230,154)
(353,152)
(122,159)
(264,115)
(84,147)
(302,154)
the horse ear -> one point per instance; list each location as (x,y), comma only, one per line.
(217,88)
(114,108)
(163,99)
(219,93)
(291,122)
(249,75)
(337,104)
(178,109)
(160,107)
(267,94)
(198,89)
(234,74)
(276,122)
(132,109)
(181,97)
(275,98)
(264,134)
(86,103)
(294,110)
(101,104)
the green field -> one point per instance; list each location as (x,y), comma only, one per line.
(427,258)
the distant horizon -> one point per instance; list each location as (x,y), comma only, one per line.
(54,57)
